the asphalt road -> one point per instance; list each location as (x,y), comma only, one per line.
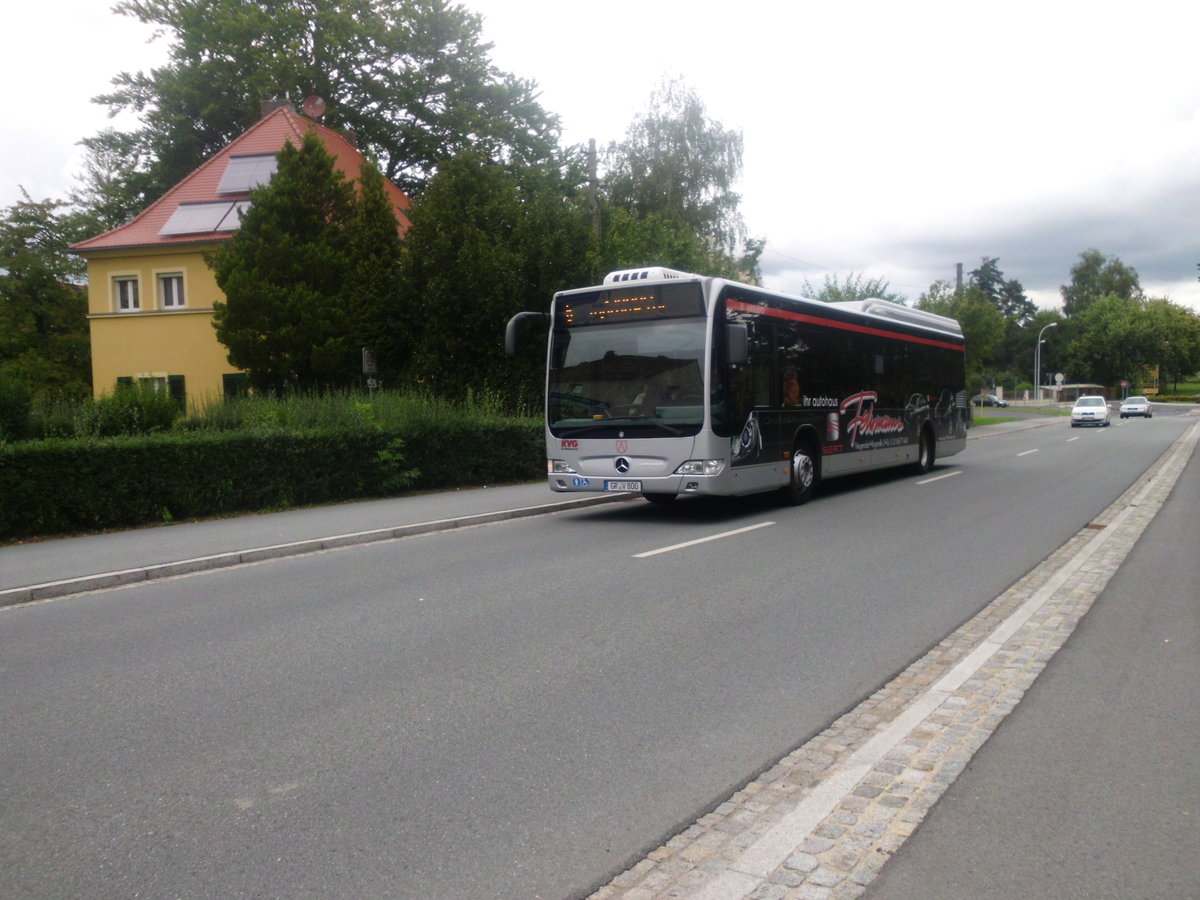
(515,710)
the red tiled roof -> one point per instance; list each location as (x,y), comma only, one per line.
(265,136)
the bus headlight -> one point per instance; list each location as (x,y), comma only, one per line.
(558,467)
(701,467)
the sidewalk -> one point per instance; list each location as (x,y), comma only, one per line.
(60,566)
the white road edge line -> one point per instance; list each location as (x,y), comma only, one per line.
(703,540)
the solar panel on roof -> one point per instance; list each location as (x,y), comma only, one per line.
(245,172)
(196,218)
(233,218)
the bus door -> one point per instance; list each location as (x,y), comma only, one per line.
(752,410)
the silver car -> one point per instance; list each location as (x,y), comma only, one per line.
(1136,406)
(1090,409)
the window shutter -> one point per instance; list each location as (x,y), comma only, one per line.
(235,384)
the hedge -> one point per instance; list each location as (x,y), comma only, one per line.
(67,486)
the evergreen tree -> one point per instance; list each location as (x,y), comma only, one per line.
(1007,296)
(375,248)
(486,242)
(299,296)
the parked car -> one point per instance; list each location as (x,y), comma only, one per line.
(987,400)
(1136,406)
(1089,410)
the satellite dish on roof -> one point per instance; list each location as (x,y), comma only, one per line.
(314,107)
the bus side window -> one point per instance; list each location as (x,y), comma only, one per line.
(801,370)
(759,393)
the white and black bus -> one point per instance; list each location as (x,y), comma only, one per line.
(669,384)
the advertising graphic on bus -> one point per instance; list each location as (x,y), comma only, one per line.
(668,384)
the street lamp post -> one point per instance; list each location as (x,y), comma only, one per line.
(1037,364)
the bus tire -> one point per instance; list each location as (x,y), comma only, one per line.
(925,452)
(803,474)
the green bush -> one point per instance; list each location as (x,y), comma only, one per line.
(65,486)
(130,410)
(128,459)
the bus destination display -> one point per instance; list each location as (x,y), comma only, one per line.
(629,304)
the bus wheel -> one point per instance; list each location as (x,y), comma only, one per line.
(660,498)
(925,454)
(803,476)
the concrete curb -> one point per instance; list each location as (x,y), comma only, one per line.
(53,589)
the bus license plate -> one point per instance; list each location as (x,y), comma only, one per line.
(622,486)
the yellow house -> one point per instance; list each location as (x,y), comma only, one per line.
(150,292)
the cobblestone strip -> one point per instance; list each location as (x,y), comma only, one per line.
(751,848)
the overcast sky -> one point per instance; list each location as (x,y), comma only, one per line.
(888,139)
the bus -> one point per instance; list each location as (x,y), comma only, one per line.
(668,384)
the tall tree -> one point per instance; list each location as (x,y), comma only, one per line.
(981,321)
(43,303)
(294,273)
(486,241)
(412,78)
(1177,332)
(1115,338)
(855,287)
(679,167)
(1095,276)
(1008,296)
(375,249)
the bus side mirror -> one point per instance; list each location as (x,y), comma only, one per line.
(737,344)
(512,330)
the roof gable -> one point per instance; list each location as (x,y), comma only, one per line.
(205,206)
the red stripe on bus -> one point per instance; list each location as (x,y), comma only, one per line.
(742,306)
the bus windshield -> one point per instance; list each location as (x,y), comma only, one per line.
(642,378)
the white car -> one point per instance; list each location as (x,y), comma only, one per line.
(1089,410)
(1136,406)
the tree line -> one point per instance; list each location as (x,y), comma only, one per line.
(1107,331)
(504,214)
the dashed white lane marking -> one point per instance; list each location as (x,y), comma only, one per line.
(1027,452)
(703,540)
(940,477)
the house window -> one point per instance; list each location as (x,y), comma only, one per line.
(125,289)
(235,384)
(175,385)
(170,291)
